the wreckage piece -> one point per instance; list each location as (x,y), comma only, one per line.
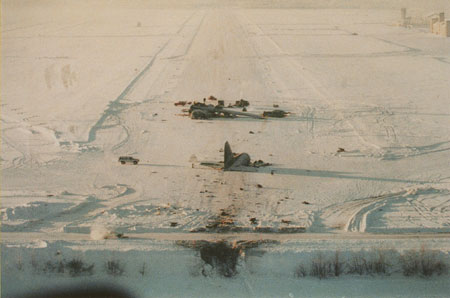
(237,113)
(260,163)
(180,103)
(234,162)
(201,115)
(275,114)
(241,103)
(203,111)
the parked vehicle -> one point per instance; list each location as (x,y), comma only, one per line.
(128,159)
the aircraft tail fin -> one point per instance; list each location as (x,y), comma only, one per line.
(228,156)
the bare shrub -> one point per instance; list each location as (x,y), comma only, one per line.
(337,264)
(410,263)
(19,263)
(142,271)
(321,267)
(441,267)
(357,263)
(77,267)
(114,268)
(53,267)
(430,263)
(424,263)
(377,263)
(74,267)
(34,263)
(363,263)
(300,271)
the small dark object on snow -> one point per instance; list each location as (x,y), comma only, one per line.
(212,98)
(341,149)
(128,159)
(272,172)
(275,114)
(251,132)
(50,196)
(180,103)
(285,221)
(259,185)
(253,220)
(354,33)
(121,236)
(173,224)
(305,202)
(275,105)
(241,188)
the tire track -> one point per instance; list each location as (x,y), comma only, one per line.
(115,107)
(353,216)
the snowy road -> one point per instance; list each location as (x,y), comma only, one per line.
(18,237)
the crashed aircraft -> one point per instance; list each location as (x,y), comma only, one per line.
(203,111)
(240,162)
(234,162)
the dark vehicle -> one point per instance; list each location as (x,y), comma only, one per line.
(128,159)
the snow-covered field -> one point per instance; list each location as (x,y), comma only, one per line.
(84,83)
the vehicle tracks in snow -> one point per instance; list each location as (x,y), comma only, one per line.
(361,215)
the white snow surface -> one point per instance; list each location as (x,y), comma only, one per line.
(86,82)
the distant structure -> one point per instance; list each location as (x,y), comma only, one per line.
(405,21)
(439,25)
